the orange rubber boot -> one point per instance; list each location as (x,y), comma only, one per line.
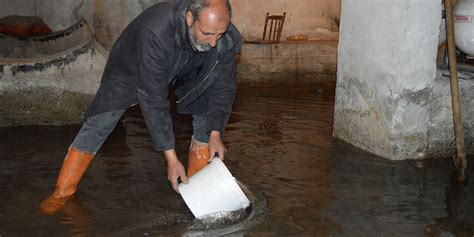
(74,166)
(198,157)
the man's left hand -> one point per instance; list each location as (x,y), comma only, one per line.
(216,145)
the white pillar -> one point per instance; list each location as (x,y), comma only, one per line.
(386,72)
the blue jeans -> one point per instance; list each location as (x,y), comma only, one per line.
(96,129)
(200,129)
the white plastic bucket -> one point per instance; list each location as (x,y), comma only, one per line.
(213,189)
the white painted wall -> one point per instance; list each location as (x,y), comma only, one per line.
(386,70)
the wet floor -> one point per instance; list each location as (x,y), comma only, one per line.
(303,182)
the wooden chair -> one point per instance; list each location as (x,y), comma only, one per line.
(273,27)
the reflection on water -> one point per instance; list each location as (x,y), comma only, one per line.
(280,145)
(279,139)
(377,197)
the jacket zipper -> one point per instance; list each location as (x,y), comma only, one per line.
(173,80)
(186,60)
(207,76)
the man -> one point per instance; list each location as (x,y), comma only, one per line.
(190,45)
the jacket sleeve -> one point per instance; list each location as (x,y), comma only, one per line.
(222,92)
(152,89)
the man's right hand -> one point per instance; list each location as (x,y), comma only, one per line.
(175,169)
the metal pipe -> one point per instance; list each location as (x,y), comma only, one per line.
(460,157)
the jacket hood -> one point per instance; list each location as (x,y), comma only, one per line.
(182,36)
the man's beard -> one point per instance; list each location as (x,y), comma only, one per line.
(198,46)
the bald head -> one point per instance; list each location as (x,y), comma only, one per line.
(207,21)
(197,6)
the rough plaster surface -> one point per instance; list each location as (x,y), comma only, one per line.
(441,131)
(287,61)
(67,66)
(315,18)
(13,49)
(386,72)
(54,91)
(58,15)
(108,18)
(318,19)
(17,7)
(42,106)
(62,14)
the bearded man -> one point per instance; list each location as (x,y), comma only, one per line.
(188,44)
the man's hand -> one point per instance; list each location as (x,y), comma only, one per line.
(175,169)
(216,145)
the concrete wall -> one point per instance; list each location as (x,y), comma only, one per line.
(318,19)
(386,72)
(441,130)
(107,17)
(110,17)
(56,87)
(315,18)
(17,7)
(58,15)
(51,91)
(391,99)
(388,100)
(289,62)
(51,79)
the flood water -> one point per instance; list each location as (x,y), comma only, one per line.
(280,146)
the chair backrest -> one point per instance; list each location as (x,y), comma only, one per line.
(273,26)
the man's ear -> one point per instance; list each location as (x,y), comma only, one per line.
(189,18)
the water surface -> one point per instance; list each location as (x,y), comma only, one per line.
(280,145)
